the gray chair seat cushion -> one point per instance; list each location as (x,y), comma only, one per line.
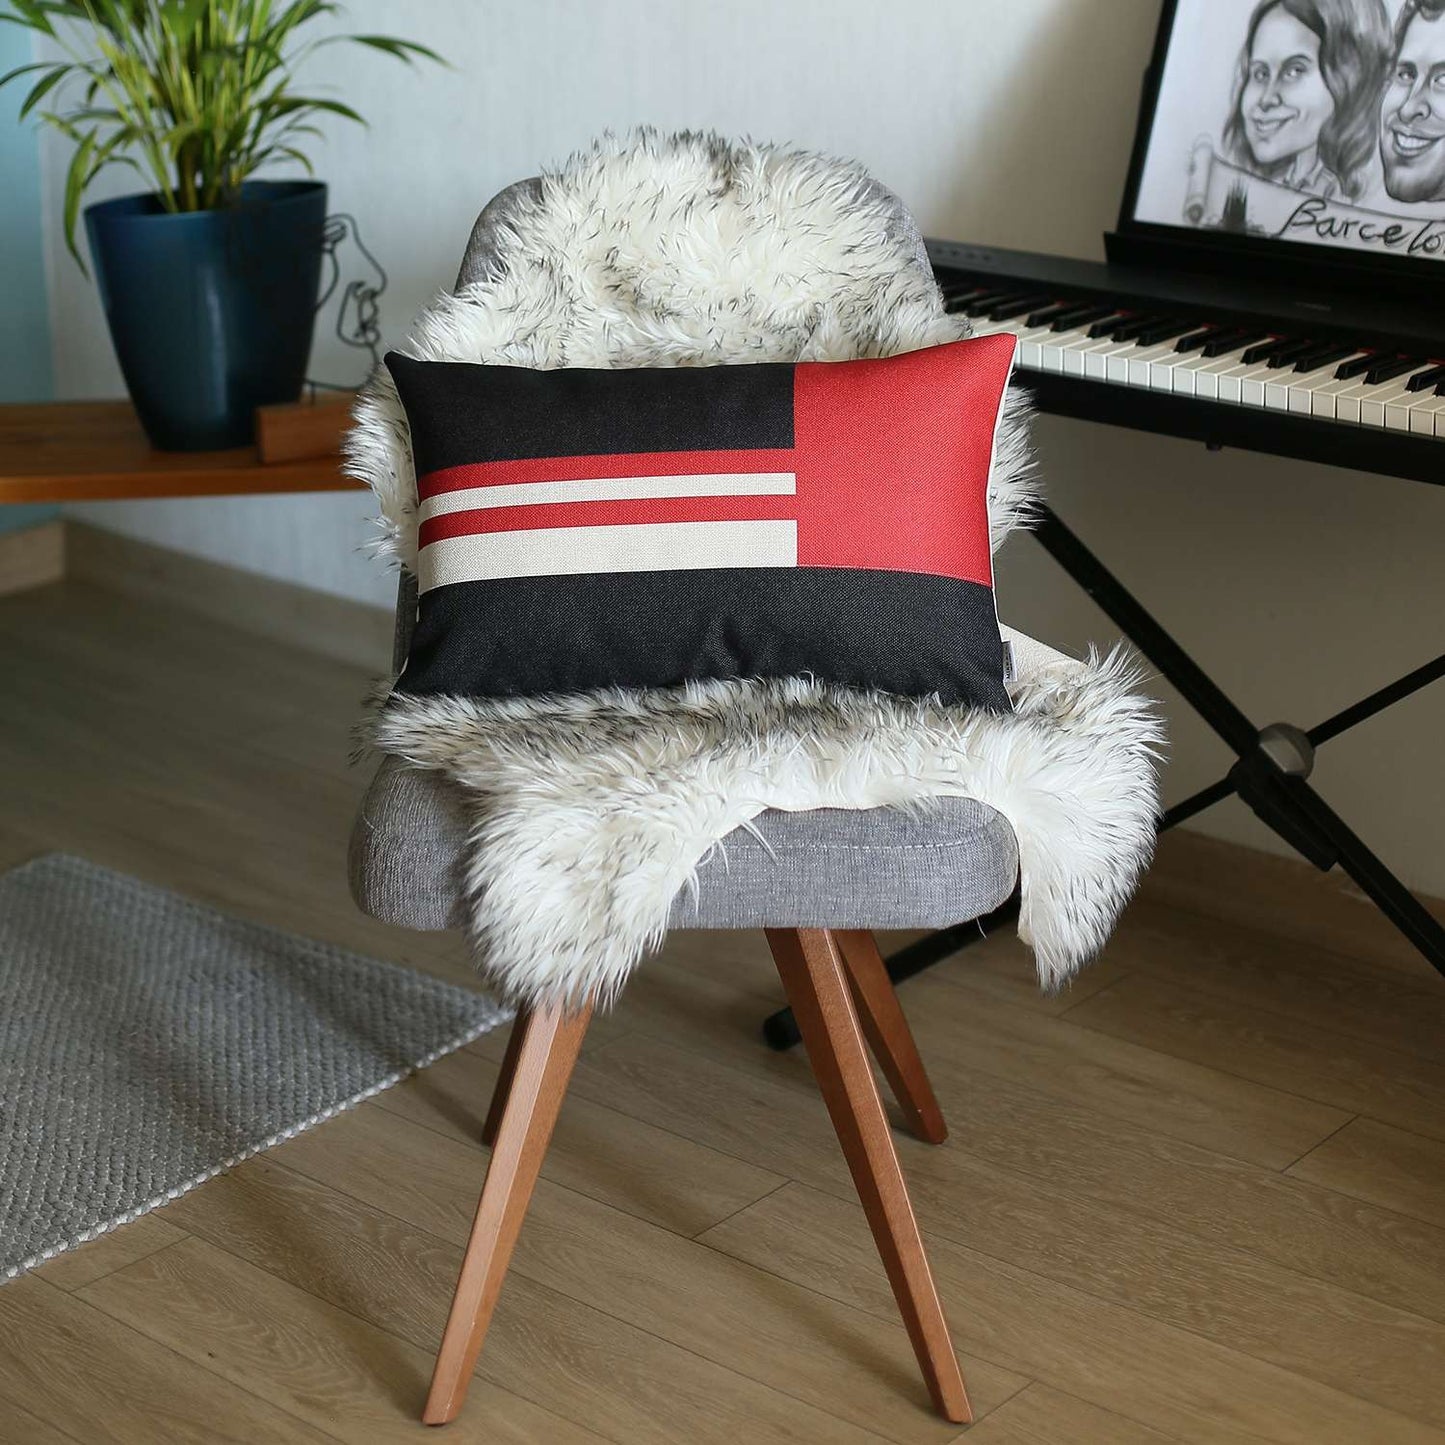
(829,868)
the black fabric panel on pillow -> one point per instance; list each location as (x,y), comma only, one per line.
(903,632)
(461,413)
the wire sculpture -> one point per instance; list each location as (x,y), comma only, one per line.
(358,315)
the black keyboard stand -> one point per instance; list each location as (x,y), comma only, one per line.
(1274,764)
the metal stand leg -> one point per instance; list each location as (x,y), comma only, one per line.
(1273,761)
(1270,774)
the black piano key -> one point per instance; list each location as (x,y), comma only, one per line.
(981,305)
(1045,313)
(1323,355)
(1129,330)
(982,301)
(1392,367)
(1288,352)
(1014,306)
(1356,367)
(1161,331)
(1107,325)
(1426,379)
(1223,345)
(1227,338)
(1261,350)
(1079,315)
(1195,340)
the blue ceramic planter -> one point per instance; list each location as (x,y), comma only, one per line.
(211,312)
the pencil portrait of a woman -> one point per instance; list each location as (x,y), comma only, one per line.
(1304,113)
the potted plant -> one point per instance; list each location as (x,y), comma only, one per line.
(208,278)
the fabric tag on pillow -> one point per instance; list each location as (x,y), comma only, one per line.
(651,527)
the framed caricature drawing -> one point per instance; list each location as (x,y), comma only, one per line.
(1302,122)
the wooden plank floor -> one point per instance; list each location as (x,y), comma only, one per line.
(1198,1197)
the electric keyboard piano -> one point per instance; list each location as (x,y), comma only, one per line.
(1253,297)
(1329,376)
(1286,301)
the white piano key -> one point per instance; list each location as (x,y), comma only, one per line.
(1131,367)
(1391,409)
(1185,376)
(1276,391)
(1428,418)
(1324,400)
(1397,413)
(1116,369)
(1303,387)
(1181,377)
(1074,334)
(1030,340)
(1063,344)
(1350,402)
(1231,382)
(1096,363)
(1161,371)
(1140,363)
(1387,394)
(1252,384)
(1288,389)
(1075,355)
(1413,401)
(1207,377)
(1051,350)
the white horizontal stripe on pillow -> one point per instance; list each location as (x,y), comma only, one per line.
(649,547)
(611,489)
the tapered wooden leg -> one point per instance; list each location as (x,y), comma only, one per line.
(814,977)
(504,1079)
(549,1042)
(888,1033)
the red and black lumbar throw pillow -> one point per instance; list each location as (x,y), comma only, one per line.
(646,528)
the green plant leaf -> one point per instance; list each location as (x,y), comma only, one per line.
(332,107)
(42,88)
(407,50)
(193,94)
(31,15)
(24,69)
(76,179)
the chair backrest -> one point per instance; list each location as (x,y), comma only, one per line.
(685,250)
(480,260)
(484,261)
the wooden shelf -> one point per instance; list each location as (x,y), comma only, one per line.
(73,451)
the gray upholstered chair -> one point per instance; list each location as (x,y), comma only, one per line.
(818,882)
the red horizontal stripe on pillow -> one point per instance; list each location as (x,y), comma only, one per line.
(544,515)
(623,464)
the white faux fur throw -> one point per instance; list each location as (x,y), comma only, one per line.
(589,813)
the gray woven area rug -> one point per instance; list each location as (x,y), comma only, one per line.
(147,1043)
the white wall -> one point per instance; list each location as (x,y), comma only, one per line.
(1008,123)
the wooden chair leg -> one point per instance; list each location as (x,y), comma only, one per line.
(888,1033)
(546,1053)
(811,967)
(504,1079)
